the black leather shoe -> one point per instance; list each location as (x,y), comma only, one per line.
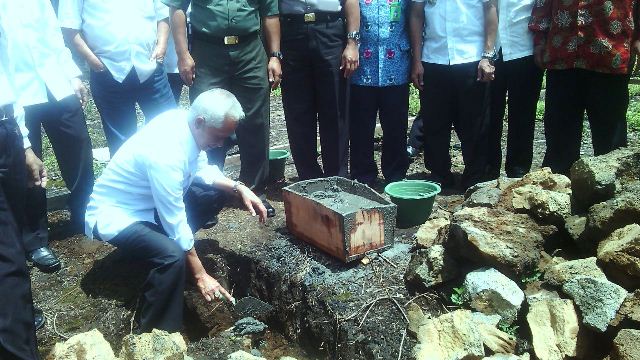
(38,318)
(44,259)
(271,212)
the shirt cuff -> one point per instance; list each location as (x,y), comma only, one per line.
(18,115)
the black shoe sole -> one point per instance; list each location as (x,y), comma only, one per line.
(48,269)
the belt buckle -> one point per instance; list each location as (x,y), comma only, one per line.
(310,17)
(231,40)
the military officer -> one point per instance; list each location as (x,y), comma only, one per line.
(227,52)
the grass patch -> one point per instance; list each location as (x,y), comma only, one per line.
(633,115)
(414,101)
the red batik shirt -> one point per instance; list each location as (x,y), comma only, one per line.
(586,34)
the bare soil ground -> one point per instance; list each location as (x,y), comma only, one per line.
(97,286)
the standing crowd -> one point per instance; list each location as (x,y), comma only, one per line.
(342,64)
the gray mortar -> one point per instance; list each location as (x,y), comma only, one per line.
(311,292)
(346,197)
(249,326)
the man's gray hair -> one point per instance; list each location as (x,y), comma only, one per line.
(216,106)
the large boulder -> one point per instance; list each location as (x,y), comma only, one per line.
(548,206)
(494,237)
(448,337)
(485,196)
(490,292)
(547,180)
(433,232)
(596,179)
(606,217)
(564,271)
(619,256)
(90,345)
(157,344)
(597,299)
(554,328)
(430,267)
(625,345)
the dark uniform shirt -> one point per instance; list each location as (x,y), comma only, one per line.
(226,17)
(292,7)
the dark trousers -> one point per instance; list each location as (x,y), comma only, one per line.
(116,102)
(175,82)
(17,329)
(605,97)
(522,80)
(392,103)
(315,93)
(161,303)
(242,70)
(416,137)
(453,96)
(65,125)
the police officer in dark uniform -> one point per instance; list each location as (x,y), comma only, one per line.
(320,41)
(227,52)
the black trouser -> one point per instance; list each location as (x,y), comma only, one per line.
(569,93)
(175,83)
(453,96)
(65,125)
(315,93)
(162,301)
(17,329)
(393,104)
(522,79)
(240,69)
(416,137)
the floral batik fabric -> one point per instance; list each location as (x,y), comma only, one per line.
(586,34)
(384,49)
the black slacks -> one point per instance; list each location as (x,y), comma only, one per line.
(17,329)
(65,125)
(161,303)
(315,94)
(605,97)
(392,103)
(453,96)
(521,79)
(416,137)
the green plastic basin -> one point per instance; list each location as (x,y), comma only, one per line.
(277,160)
(414,199)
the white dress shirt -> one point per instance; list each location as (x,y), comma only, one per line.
(122,33)
(514,36)
(41,60)
(7,90)
(151,171)
(453,31)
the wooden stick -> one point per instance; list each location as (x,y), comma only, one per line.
(404,334)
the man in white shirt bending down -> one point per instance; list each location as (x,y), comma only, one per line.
(125,51)
(151,199)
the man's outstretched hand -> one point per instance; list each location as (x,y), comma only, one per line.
(253,203)
(211,289)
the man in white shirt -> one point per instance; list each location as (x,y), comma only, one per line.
(17,330)
(149,201)
(49,88)
(125,51)
(453,65)
(518,75)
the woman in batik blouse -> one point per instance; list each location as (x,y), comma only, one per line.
(380,87)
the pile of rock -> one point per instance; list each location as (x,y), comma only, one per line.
(572,305)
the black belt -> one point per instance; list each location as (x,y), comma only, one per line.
(223,40)
(6,112)
(312,17)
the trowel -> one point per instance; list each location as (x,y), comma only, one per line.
(249,307)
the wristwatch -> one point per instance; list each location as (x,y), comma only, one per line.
(276,54)
(236,185)
(355,36)
(492,55)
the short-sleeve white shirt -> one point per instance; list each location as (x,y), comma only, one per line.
(453,31)
(514,36)
(122,33)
